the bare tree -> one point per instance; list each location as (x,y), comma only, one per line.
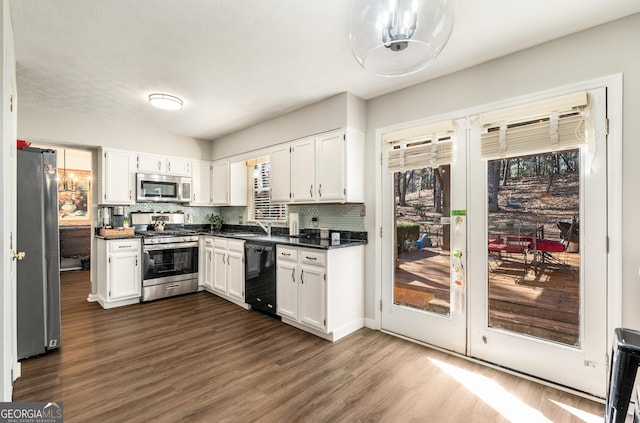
(493,170)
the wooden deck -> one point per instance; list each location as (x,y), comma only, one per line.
(543,304)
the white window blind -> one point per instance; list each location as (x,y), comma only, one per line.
(543,126)
(259,175)
(425,146)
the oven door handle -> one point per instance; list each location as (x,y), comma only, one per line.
(172,245)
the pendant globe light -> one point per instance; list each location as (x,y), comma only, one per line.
(399,37)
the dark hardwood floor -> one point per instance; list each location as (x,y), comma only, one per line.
(198,358)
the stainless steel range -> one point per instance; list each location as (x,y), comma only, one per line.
(170,255)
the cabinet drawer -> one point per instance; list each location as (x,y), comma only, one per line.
(122,246)
(208,242)
(234,245)
(220,243)
(312,257)
(285,253)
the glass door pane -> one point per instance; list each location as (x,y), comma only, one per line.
(533,246)
(422,278)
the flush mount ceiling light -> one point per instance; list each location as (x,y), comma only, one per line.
(165,101)
(399,37)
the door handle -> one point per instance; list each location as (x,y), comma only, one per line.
(17,256)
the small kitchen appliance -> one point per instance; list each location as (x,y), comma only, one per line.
(118,217)
(162,188)
(294,224)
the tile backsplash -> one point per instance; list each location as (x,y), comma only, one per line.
(346,217)
(199,215)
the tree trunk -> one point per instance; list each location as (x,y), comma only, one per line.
(493,184)
(443,175)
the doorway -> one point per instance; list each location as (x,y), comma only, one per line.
(527,201)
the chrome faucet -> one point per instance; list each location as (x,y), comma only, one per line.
(265,228)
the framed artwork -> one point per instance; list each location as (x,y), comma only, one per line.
(74,197)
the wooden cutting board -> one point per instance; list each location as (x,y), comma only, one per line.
(117,232)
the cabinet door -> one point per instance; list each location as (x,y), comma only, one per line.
(303,166)
(117,177)
(220,183)
(124,276)
(208,267)
(312,297)
(235,275)
(220,270)
(331,167)
(287,289)
(280,174)
(178,166)
(151,163)
(201,183)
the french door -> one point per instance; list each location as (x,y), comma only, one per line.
(525,259)
(425,258)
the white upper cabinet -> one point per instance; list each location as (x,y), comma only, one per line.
(280,173)
(330,170)
(151,163)
(117,172)
(229,183)
(201,183)
(325,168)
(178,166)
(303,170)
(154,163)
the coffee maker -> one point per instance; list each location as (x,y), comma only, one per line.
(118,217)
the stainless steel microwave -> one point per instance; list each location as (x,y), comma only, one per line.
(162,188)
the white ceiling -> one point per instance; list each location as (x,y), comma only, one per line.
(239,62)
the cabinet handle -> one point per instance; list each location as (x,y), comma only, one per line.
(302,276)
(130,194)
(169,166)
(223,262)
(173,286)
(311,258)
(320,190)
(311,190)
(159,165)
(293,275)
(286,254)
(136,261)
(228,261)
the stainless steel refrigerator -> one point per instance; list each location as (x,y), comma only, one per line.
(38,274)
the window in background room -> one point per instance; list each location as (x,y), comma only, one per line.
(260,206)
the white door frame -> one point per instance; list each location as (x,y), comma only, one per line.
(9,366)
(614,85)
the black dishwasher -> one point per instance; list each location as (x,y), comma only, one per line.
(260,276)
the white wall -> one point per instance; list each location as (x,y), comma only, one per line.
(335,112)
(598,52)
(54,127)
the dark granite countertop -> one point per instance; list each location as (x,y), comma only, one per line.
(308,238)
(324,244)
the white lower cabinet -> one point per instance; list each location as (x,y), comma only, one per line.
(321,291)
(222,264)
(205,275)
(119,273)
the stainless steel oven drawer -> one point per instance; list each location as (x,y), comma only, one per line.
(169,289)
